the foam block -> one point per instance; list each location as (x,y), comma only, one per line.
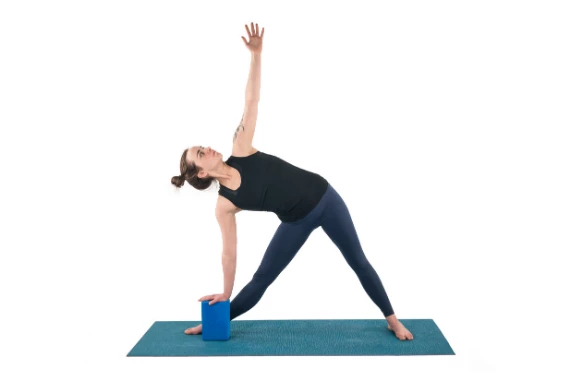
(216,320)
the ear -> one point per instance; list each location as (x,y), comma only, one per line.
(202,174)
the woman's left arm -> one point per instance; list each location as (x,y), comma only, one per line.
(254,78)
(254,45)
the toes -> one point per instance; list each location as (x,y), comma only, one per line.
(191,331)
(403,334)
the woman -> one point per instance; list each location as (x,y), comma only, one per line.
(303,201)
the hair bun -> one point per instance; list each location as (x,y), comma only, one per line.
(178,181)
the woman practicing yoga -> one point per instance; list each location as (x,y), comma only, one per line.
(303,201)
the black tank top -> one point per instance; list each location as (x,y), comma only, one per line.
(274,185)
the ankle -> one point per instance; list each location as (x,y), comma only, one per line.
(392,320)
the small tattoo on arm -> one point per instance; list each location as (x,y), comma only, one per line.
(237,129)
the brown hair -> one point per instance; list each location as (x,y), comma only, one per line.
(189,173)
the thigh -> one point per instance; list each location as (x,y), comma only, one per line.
(285,244)
(339,227)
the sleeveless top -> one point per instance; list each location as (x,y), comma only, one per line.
(271,184)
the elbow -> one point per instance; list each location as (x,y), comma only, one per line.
(250,98)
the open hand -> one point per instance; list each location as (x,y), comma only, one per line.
(254,44)
(215,298)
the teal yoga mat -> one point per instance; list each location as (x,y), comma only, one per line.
(295,338)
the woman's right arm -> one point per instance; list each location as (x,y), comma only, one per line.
(226,217)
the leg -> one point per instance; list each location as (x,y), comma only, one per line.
(339,227)
(286,242)
(284,245)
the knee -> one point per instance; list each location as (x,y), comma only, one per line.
(361,264)
(262,279)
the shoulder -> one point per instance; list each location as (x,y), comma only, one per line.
(225,206)
(243,151)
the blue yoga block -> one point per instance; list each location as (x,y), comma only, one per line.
(216,320)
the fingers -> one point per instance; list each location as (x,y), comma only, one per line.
(255,31)
(213,299)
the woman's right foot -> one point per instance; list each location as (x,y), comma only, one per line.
(401,332)
(194,330)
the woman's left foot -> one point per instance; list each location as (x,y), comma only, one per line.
(401,332)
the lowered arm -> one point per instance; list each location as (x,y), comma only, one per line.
(227,220)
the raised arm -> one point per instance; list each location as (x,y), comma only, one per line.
(254,77)
(254,45)
(245,132)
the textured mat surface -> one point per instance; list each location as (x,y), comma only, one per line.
(295,338)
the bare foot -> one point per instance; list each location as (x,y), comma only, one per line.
(194,330)
(401,332)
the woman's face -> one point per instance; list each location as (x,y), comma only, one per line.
(205,158)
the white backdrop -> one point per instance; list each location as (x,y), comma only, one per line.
(447,127)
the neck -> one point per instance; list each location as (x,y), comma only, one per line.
(223,174)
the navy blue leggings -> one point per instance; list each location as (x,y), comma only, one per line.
(332,215)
